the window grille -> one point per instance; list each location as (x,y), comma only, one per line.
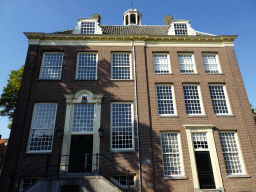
(42,128)
(51,67)
(186,63)
(161,64)
(171,154)
(192,99)
(122,126)
(87,28)
(121,67)
(83,118)
(123,180)
(165,100)
(200,140)
(231,153)
(87,66)
(211,64)
(218,99)
(26,182)
(180,29)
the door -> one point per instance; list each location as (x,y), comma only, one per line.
(204,168)
(80,145)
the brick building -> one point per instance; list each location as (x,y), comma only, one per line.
(165,102)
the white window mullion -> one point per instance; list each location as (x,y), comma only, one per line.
(87,66)
(186,62)
(192,98)
(51,66)
(121,66)
(165,100)
(211,63)
(161,63)
(87,28)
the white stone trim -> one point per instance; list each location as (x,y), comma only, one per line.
(190,30)
(77,29)
(72,99)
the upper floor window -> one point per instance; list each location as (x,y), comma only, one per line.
(186,62)
(180,29)
(42,127)
(87,28)
(211,63)
(51,66)
(121,65)
(87,66)
(161,63)
(165,100)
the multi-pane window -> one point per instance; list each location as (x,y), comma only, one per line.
(165,101)
(26,182)
(87,28)
(211,63)
(42,128)
(200,141)
(180,29)
(123,181)
(122,126)
(161,63)
(51,66)
(218,97)
(121,66)
(231,154)
(171,154)
(83,118)
(192,99)
(87,66)
(186,62)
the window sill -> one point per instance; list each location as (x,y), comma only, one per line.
(192,116)
(85,79)
(38,153)
(238,176)
(175,177)
(123,151)
(189,73)
(121,80)
(228,115)
(163,73)
(168,116)
(48,79)
(215,73)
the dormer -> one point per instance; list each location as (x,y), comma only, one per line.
(88,25)
(132,17)
(179,26)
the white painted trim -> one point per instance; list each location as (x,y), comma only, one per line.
(130,58)
(218,62)
(194,62)
(169,63)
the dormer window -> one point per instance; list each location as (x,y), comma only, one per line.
(87,28)
(181,29)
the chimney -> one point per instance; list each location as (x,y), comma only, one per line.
(97,17)
(167,19)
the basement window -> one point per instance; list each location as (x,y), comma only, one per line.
(26,182)
(122,180)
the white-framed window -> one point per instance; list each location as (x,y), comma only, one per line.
(181,29)
(83,118)
(165,100)
(121,65)
(192,99)
(42,127)
(161,63)
(219,99)
(122,180)
(87,27)
(171,152)
(51,66)
(199,141)
(122,133)
(87,64)
(186,62)
(231,152)
(211,63)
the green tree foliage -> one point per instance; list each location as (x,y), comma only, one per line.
(253,112)
(9,96)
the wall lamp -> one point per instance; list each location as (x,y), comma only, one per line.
(100,130)
(59,132)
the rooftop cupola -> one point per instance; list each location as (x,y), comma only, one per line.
(132,17)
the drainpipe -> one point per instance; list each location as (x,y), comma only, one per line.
(137,117)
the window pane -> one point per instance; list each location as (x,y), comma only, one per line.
(171,154)
(200,140)
(186,64)
(121,66)
(87,28)
(211,64)
(180,29)
(164,100)
(42,126)
(87,66)
(122,126)
(192,100)
(161,64)
(218,99)
(231,153)
(51,67)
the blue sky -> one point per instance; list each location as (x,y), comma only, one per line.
(218,17)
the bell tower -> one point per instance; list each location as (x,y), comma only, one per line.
(132,17)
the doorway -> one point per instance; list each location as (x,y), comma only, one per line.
(80,146)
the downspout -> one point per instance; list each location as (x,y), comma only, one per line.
(137,117)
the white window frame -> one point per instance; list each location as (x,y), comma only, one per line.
(200,100)
(88,27)
(173,100)
(208,129)
(116,53)
(41,70)
(226,98)
(168,63)
(239,155)
(111,127)
(31,129)
(181,29)
(217,64)
(182,175)
(193,60)
(124,186)
(77,67)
